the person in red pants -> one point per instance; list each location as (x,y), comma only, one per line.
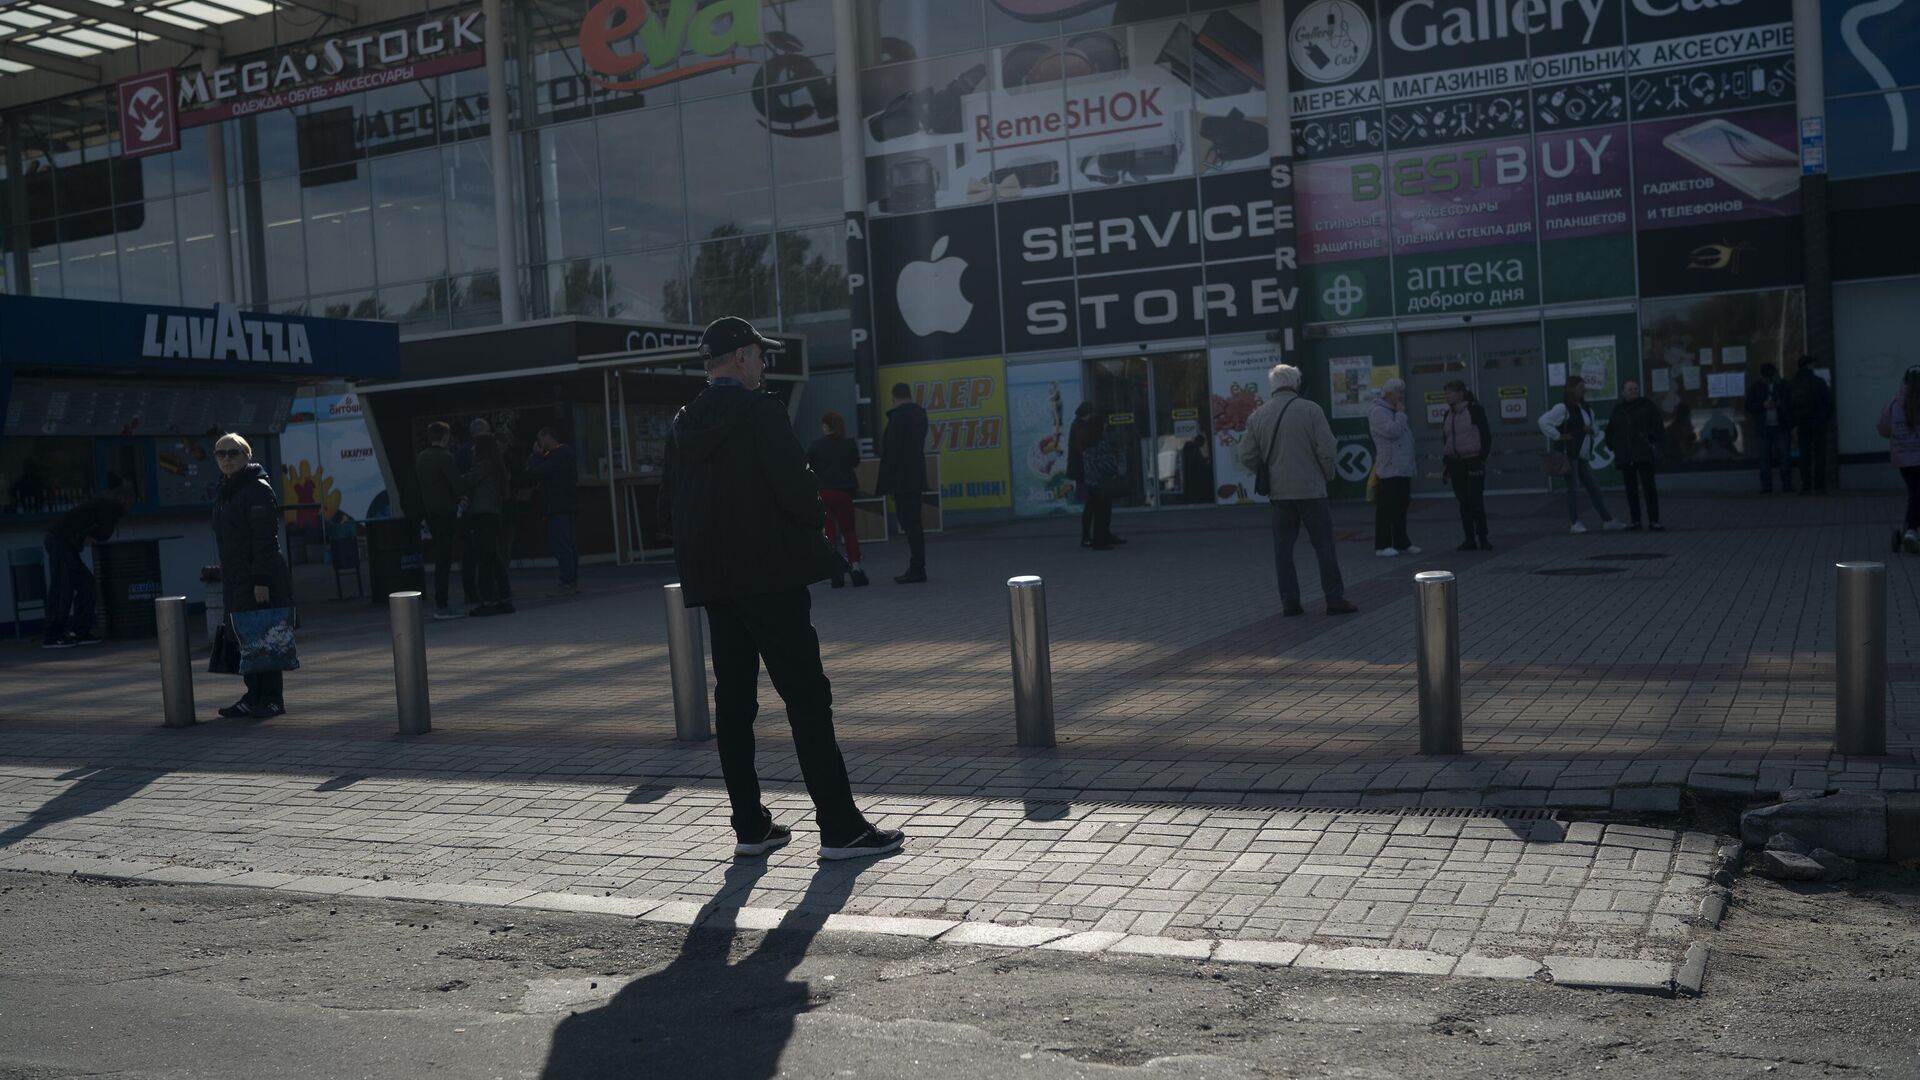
(833,458)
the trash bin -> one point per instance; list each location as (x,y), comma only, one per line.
(129,576)
(394,563)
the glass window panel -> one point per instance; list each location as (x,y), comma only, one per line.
(808,23)
(463,106)
(1105,15)
(1135,146)
(190,161)
(732,276)
(638,286)
(156,177)
(196,250)
(561,92)
(400,118)
(419,308)
(575,287)
(89,259)
(914,29)
(40,179)
(329,135)
(276,142)
(645,201)
(283,244)
(43,259)
(475,300)
(728,167)
(339,234)
(806,158)
(409,222)
(150,256)
(813,271)
(472,240)
(359,304)
(564,183)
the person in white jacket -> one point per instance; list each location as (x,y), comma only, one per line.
(1570,425)
(1393,468)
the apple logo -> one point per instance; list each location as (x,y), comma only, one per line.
(929,296)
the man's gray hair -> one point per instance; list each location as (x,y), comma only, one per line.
(1392,386)
(1283,377)
(479,426)
(709,361)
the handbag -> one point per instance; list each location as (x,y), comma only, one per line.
(1373,483)
(1556,463)
(265,639)
(224,657)
(1263,469)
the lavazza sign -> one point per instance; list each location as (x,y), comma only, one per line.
(225,336)
(335,58)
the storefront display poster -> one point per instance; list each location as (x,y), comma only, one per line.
(1041,399)
(966,407)
(1351,380)
(1594,359)
(1237,377)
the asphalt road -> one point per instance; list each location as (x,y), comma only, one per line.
(103,978)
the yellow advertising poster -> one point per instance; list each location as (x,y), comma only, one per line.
(966,403)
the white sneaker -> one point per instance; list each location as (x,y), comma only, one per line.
(1614,526)
(1410,549)
(1911,542)
(1386,553)
(1577,529)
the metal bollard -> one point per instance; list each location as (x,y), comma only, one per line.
(1436,629)
(1860,699)
(687,657)
(176,665)
(408,612)
(1032,661)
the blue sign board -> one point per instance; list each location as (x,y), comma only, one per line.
(85,334)
(1873,134)
(1870,45)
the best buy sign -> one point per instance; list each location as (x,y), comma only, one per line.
(647,40)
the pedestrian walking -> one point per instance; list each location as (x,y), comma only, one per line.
(903,475)
(1810,405)
(1900,424)
(71,597)
(833,458)
(1077,469)
(440,485)
(253,573)
(1635,434)
(746,522)
(554,469)
(1570,425)
(1466,440)
(485,485)
(1767,413)
(1290,438)
(1100,470)
(1393,469)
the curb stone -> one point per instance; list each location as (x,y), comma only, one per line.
(1693,970)
(1713,907)
(1634,976)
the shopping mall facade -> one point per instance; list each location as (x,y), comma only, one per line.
(1017,205)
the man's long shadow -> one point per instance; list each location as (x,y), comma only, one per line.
(95,789)
(701,1015)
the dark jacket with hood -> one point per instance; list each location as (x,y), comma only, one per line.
(739,501)
(1635,432)
(246,533)
(833,459)
(903,452)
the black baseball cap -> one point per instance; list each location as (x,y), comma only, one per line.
(722,336)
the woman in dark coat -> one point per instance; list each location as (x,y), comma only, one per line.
(833,458)
(487,492)
(253,575)
(1634,434)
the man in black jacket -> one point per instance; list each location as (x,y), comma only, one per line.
(70,588)
(555,470)
(745,518)
(903,475)
(440,487)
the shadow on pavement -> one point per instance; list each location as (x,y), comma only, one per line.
(93,790)
(702,1015)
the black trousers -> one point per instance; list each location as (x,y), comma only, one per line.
(442,527)
(266,688)
(777,628)
(1813,457)
(1639,480)
(1911,474)
(489,572)
(470,560)
(907,509)
(1096,521)
(1391,501)
(1468,477)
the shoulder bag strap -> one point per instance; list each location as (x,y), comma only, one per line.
(1273,437)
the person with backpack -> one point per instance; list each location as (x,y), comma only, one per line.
(1291,445)
(1466,440)
(1570,425)
(1767,412)
(1810,404)
(1634,434)
(1900,424)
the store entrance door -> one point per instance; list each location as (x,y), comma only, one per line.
(1161,419)
(1504,365)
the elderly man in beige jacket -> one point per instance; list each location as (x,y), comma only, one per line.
(1292,436)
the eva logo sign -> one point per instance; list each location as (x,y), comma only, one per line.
(225,336)
(148,123)
(655,42)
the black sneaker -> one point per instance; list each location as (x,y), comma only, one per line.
(1341,607)
(1469,545)
(84,639)
(65,641)
(869,843)
(237,710)
(1289,613)
(504,607)
(481,610)
(266,712)
(777,837)
(859,577)
(911,577)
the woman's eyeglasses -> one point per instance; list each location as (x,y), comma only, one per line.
(229,453)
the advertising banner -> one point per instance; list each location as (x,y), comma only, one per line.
(936,286)
(1734,167)
(1041,399)
(1344,241)
(349,474)
(966,405)
(1462,226)
(1873,86)
(1237,379)
(1586,214)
